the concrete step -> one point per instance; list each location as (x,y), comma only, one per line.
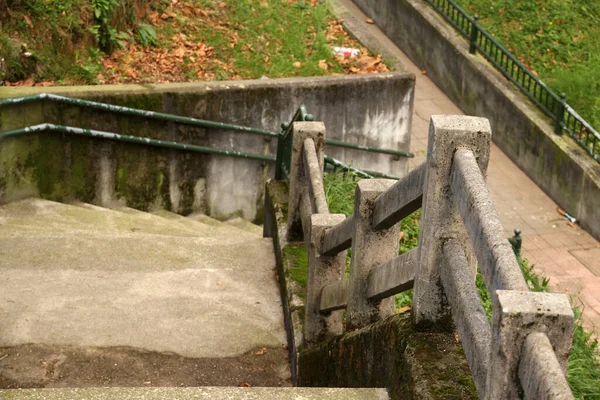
(40,215)
(246,226)
(212,393)
(201,221)
(37,214)
(78,280)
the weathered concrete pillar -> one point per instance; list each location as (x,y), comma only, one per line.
(517,315)
(322,271)
(440,217)
(369,249)
(298,181)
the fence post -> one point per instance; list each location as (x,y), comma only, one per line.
(474,34)
(280,152)
(369,248)
(298,183)
(322,271)
(560,114)
(516,315)
(440,218)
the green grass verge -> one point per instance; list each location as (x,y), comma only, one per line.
(557,39)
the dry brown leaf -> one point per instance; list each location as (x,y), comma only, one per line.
(323,65)
(297,64)
(369,21)
(28,21)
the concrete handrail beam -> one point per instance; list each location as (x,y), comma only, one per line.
(312,170)
(401,200)
(471,322)
(334,297)
(495,255)
(337,238)
(393,277)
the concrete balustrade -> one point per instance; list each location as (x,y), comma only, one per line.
(522,353)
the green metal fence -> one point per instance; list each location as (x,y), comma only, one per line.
(554,106)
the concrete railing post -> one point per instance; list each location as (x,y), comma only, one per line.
(516,316)
(369,249)
(441,219)
(322,271)
(297,179)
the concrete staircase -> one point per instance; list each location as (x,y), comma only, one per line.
(97,297)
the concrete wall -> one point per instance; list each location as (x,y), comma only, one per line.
(373,110)
(391,354)
(558,165)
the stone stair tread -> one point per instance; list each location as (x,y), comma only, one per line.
(232,229)
(207,392)
(88,251)
(36,215)
(205,219)
(246,226)
(200,220)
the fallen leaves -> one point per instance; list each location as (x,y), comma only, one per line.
(365,64)
(183,55)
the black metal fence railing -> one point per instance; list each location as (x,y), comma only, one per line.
(565,118)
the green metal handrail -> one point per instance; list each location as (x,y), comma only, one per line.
(337,164)
(136,113)
(300,115)
(284,144)
(339,143)
(565,118)
(131,139)
(165,144)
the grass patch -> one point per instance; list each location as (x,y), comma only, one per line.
(555,39)
(583,373)
(296,265)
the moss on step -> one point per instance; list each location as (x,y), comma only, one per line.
(412,365)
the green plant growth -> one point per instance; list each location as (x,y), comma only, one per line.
(296,265)
(556,39)
(50,40)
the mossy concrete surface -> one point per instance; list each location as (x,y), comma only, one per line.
(391,354)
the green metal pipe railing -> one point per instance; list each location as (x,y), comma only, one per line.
(131,139)
(136,112)
(300,115)
(339,143)
(337,164)
(171,145)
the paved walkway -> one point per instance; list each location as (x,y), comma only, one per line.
(558,250)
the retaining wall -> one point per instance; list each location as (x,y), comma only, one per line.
(374,110)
